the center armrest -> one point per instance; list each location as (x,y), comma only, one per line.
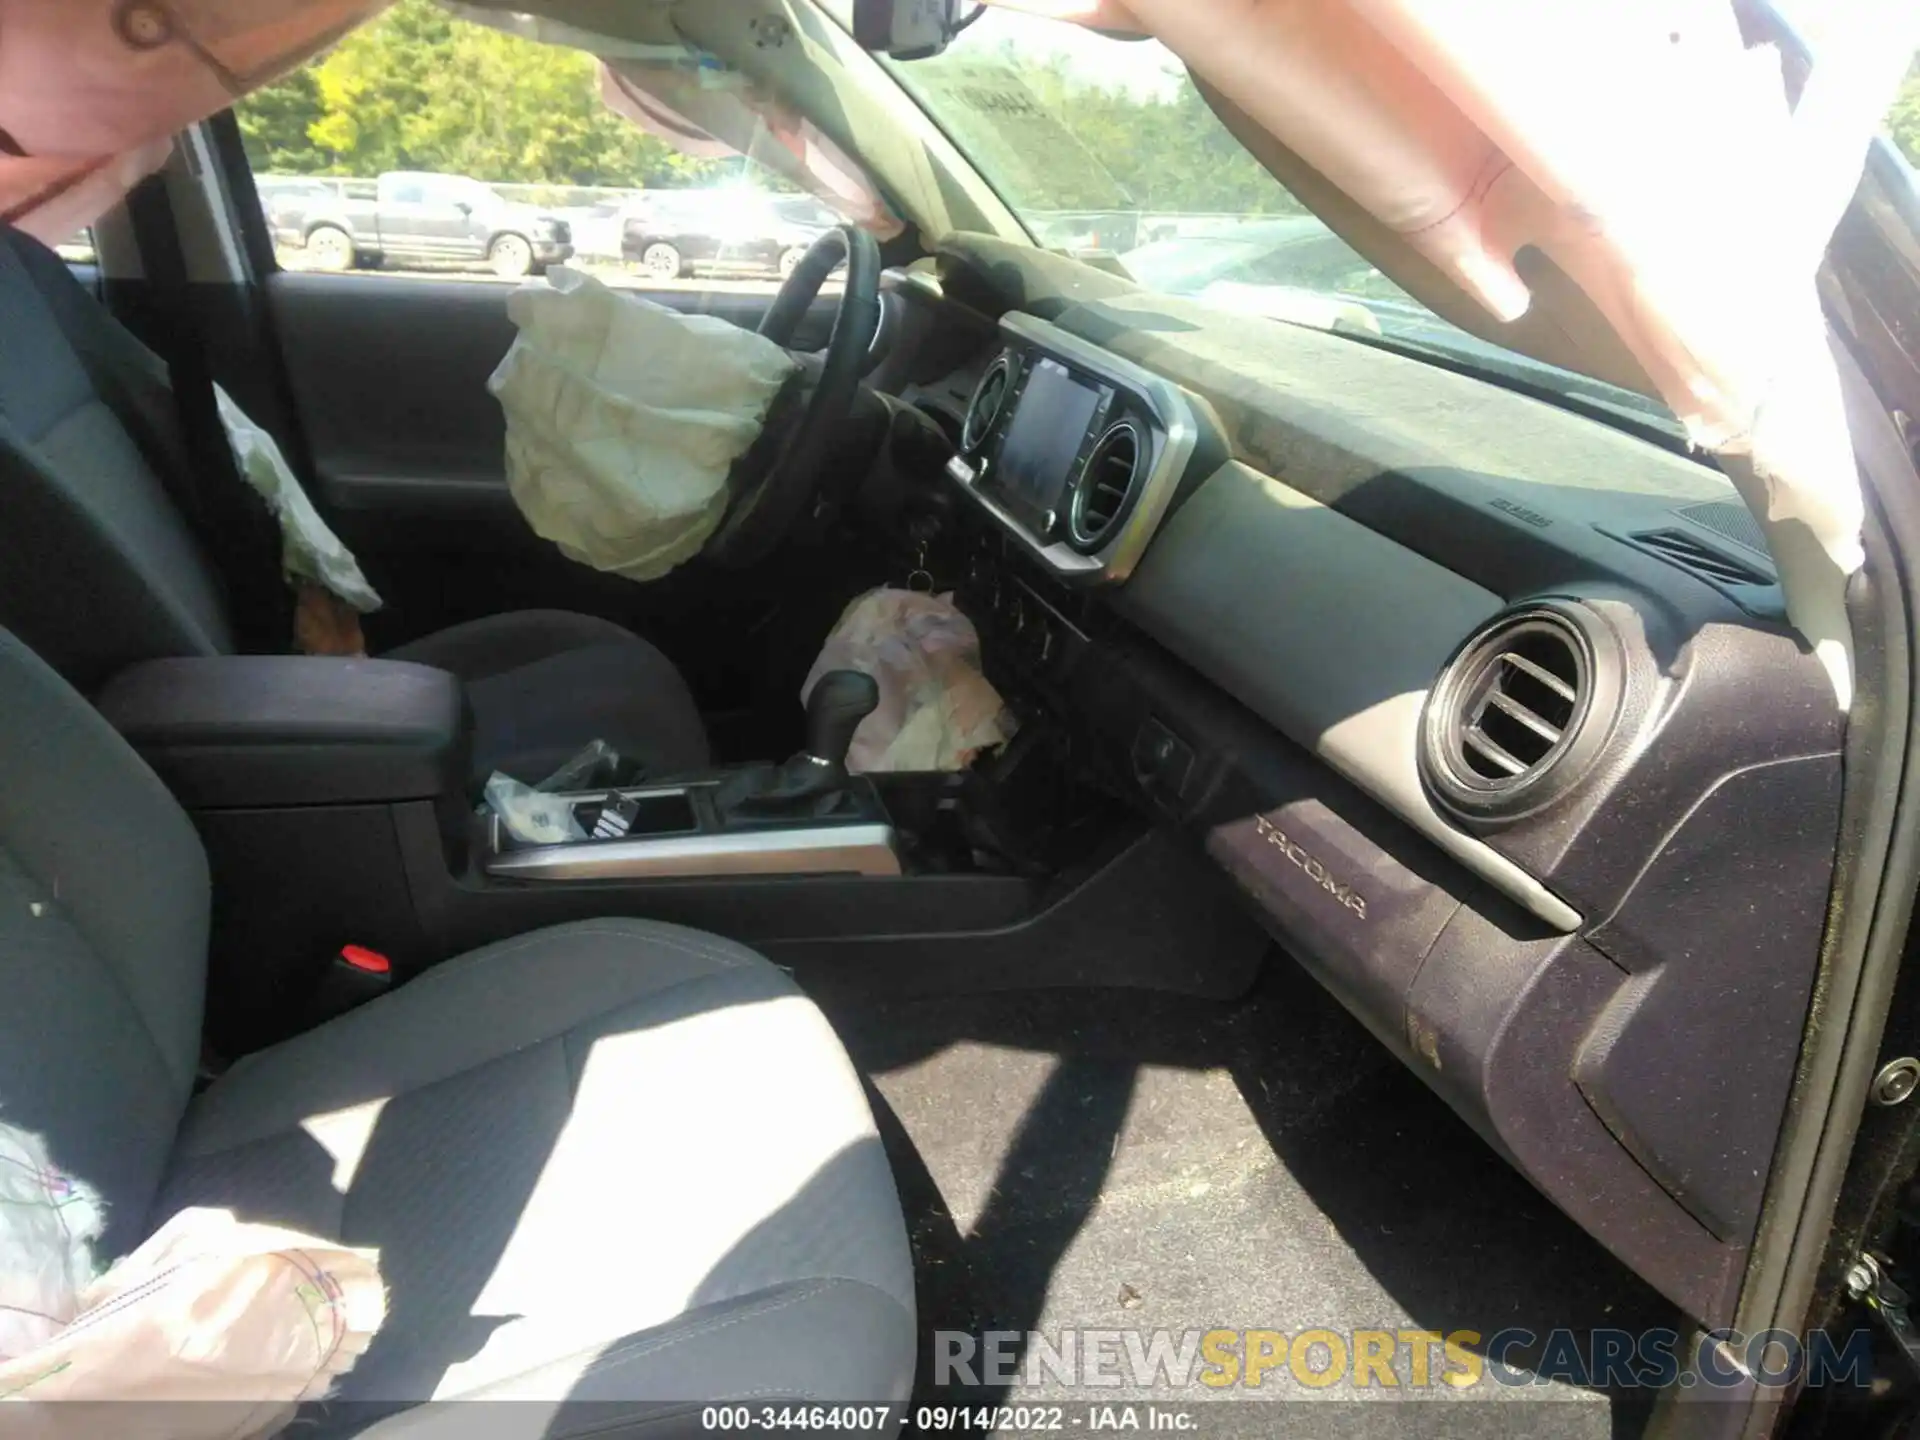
(243,731)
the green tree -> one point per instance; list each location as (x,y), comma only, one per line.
(276,125)
(1903,121)
(375,86)
(420,90)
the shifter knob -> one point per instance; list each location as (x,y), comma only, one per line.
(839,701)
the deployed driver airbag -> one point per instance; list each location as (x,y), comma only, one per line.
(623,419)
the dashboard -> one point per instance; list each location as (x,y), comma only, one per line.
(1489,709)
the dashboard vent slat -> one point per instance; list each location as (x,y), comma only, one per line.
(1507,705)
(1729,521)
(1546,677)
(1475,739)
(1703,560)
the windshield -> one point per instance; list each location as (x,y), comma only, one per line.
(1105,149)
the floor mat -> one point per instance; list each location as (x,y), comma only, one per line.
(1141,1163)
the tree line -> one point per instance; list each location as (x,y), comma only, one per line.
(420,90)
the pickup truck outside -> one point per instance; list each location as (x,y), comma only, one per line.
(413,217)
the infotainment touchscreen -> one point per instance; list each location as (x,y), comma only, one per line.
(1047,433)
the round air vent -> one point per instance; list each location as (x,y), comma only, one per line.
(1104,491)
(989,400)
(1520,712)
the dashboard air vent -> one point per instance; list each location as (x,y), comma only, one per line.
(1698,557)
(1105,490)
(1514,718)
(989,400)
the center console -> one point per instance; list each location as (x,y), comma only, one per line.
(806,817)
(337,807)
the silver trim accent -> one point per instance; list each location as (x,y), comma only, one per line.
(1171,447)
(826,850)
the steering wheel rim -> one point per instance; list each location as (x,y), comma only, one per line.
(776,479)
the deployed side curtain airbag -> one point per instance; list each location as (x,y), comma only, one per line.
(1648,151)
(623,419)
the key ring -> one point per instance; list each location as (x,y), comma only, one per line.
(920,579)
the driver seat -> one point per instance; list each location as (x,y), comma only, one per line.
(99,568)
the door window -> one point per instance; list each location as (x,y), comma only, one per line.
(517,131)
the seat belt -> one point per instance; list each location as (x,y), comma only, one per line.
(225,513)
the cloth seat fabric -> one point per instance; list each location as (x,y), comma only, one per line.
(613,1159)
(543,683)
(100,568)
(606,1165)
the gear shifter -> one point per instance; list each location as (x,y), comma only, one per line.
(814,782)
(840,700)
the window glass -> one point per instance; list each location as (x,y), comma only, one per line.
(1903,120)
(78,249)
(517,131)
(1106,147)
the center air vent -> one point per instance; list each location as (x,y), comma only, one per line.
(989,399)
(1105,490)
(1518,714)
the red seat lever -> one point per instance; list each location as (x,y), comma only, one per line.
(370,961)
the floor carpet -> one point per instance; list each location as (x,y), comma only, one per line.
(1141,1162)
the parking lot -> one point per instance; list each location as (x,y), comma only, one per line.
(612,272)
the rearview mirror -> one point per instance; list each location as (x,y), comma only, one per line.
(906,29)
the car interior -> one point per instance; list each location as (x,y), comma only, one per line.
(1402,905)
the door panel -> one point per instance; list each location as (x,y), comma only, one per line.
(388,375)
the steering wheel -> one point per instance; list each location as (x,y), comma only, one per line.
(776,479)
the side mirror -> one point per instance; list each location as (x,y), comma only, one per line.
(906,29)
(463,207)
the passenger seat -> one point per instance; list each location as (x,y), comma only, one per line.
(613,1162)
